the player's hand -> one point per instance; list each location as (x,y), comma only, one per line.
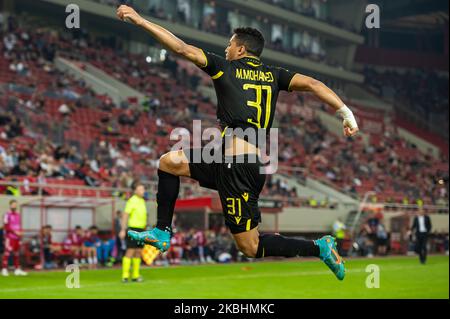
(128,14)
(122,234)
(349,121)
(349,131)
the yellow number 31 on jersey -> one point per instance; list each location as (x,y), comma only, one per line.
(257,104)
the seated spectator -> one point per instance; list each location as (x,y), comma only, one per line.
(91,243)
(128,118)
(20,170)
(48,247)
(382,240)
(176,251)
(74,242)
(106,250)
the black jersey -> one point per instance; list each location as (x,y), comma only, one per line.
(247,90)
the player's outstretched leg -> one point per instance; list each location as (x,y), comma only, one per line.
(171,166)
(256,245)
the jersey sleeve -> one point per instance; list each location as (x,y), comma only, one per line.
(284,79)
(214,64)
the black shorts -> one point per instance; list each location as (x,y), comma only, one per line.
(131,243)
(239,181)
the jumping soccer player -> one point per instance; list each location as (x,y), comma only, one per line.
(13,233)
(247,92)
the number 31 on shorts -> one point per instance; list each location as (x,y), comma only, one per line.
(232,204)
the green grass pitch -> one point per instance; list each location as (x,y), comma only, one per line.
(400,277)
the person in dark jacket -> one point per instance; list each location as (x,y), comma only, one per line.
(421,227)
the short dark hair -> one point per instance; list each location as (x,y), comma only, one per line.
(251,38)
(136,184)
(12,201)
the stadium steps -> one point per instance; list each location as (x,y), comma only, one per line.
(347,201)
(302,190)
(319,191)
(334,125)
(101,82)
(408,131)
(362,96)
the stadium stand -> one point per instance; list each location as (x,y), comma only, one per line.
(312,48)
(124,151)
(422,92)
(315,9)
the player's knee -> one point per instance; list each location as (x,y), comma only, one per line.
(248,249)
(172,163)
(167,164)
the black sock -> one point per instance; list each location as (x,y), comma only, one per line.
(277,245)
(168,188)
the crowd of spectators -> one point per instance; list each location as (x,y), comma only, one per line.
(373,239)
(93,248)
(42,157)
(390,166)
(119,149)
(311,8)
(194,246)
(84,247)
(314,51)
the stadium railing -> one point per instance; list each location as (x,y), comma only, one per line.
(67,189)
(186,191)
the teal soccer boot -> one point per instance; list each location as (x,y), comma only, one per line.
(330,256)
(156,237)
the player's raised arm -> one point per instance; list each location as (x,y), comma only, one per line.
(163,36)
(325,94)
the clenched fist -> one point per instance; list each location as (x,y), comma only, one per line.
(128,14)
(349,131)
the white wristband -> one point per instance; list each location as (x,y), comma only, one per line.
(347,115)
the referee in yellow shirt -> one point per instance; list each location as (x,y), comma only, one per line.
(134,218)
